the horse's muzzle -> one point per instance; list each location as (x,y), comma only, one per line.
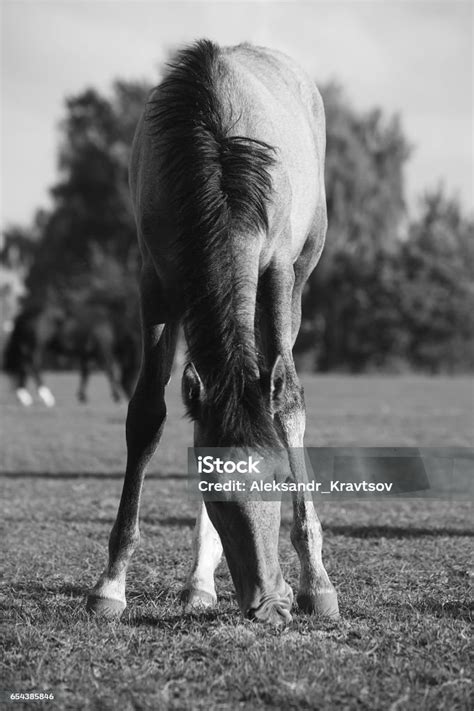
(273,609)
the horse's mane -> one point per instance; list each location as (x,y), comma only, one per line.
(218,185)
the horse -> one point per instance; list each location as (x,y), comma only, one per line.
(89,337)
(33,329)
(227,183)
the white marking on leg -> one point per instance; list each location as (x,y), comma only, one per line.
(315,591)
(207,554)
(46,396)
(24,397)
(111,588)
(307,539)
(111,584)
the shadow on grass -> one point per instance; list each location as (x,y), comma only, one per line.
(349,531)
(179,618)
(457,609)
(185,521)
(33,586)
(165,622)
(394,531)
(454,609)
(86,475)
(179,521)
(81,591)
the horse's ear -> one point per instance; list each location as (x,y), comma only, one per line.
(191,389)
(277,384)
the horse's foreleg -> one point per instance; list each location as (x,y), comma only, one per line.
(112,373)
(199,590)
(44,393)
(145,421)
(316,594)
(21,390)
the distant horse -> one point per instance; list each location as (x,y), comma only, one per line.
(227,180)
(88,338)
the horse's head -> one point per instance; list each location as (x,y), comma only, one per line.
(235,415)
(248,527)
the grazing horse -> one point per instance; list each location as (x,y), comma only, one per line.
(90,337)
(33,330)
(227,180)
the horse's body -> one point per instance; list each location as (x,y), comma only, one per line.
(87,338)
(227,182)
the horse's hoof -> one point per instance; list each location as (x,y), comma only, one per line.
(194,598)
(105,607)
(24,397)
(323,604)
(46,396)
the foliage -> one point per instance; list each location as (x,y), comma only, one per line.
(379,299)
(18,245)
(365,155)
(88,248)
(437,292)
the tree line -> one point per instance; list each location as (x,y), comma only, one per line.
(392,292)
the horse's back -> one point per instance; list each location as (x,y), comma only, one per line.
(281,105)
(262,95)
(285,84)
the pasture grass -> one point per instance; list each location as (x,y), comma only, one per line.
(403,568)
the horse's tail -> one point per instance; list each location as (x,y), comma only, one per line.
(215,178)
(219,185)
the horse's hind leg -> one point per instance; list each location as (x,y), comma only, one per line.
(316,593)
(145,421)
(199,590)
(21,391)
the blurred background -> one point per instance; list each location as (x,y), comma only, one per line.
(393,291)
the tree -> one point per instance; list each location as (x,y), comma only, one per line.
(91,212)
(365,155)
(19,245)
(437,300)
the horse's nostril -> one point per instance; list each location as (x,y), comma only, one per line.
(275,615)
(281,617)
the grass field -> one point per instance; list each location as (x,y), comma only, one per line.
(403,568)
